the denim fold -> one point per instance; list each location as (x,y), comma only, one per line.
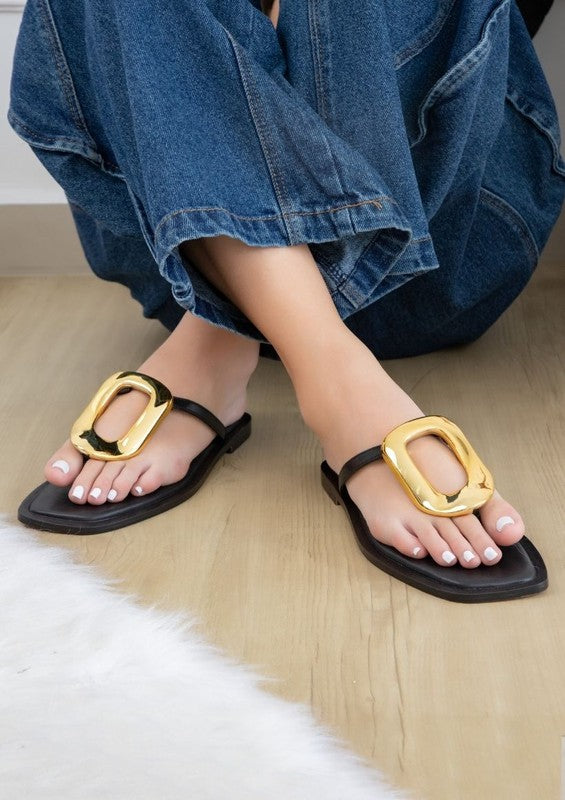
(402,142)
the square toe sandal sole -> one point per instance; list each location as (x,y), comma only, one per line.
(519,573)
(48,507)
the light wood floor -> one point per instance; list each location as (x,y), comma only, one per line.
(452,701)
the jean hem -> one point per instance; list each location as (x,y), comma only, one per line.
(391,251)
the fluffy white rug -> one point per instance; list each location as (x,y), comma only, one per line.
(102,699)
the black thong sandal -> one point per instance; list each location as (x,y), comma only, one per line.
(520,572)
(48,507)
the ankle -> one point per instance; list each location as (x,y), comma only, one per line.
(350,403)
(198,345)
(331,376)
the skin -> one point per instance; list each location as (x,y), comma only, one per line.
(343,393)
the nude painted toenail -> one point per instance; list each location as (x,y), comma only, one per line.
(78,492)
(138,490)
(468,555)
(504,521)
(416,550)
(112,494)
(62,465)
(448,557)
(491,554)
(96,492)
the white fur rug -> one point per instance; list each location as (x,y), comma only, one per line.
(102,699)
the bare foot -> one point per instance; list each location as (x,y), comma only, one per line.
(197,361)
(359,405)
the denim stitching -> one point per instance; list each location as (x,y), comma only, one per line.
(252,13)
(424,38)
(513,218)
(411,241)
(261,129)
(456,75)
(375,201)
(345,277)
(42,136)
(316,58)
(63,69)
(541,122)
(106,166)
(322,106)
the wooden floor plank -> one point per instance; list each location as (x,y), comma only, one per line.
(452,701)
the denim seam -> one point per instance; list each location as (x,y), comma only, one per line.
(252,22)
(63,70)
(389,251)
(544,126)
(323,107)
(454,77)
(42,136)
(376,201)
(50,143)
(425,38)
(262,134)
(513,218)
(315,41)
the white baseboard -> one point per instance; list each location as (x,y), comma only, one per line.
(41,240)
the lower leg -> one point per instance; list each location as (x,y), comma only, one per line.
(349,401)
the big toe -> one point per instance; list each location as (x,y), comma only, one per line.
(63,467)
(502,521)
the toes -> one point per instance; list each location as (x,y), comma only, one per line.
(82,484)
(501,521)
(458,544)
(63,467)
(102,484)
(148,482)
(127,479)
(396,535)
(434,543)
(118,479)
(472,530)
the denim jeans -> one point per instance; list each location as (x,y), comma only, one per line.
(412,144)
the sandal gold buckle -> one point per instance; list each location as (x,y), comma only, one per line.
(88,442)
(478,489)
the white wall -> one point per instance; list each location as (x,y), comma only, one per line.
(23,179)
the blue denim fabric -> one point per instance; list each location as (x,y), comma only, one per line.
(413,145)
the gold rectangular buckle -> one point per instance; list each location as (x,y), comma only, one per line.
(478,489)
(87,441)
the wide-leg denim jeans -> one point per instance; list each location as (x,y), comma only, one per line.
(412,144)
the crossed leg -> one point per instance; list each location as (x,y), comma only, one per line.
(344,395)
(349,401)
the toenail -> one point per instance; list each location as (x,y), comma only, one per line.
(448,557)
(138,490)
(96,492)
(504,521)
(416,550)
(62,465)
(468,555)
(491,554)
(78,492)
(112,494)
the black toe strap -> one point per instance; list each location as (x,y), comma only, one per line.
(181,404)
(355,463)
(189,406)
